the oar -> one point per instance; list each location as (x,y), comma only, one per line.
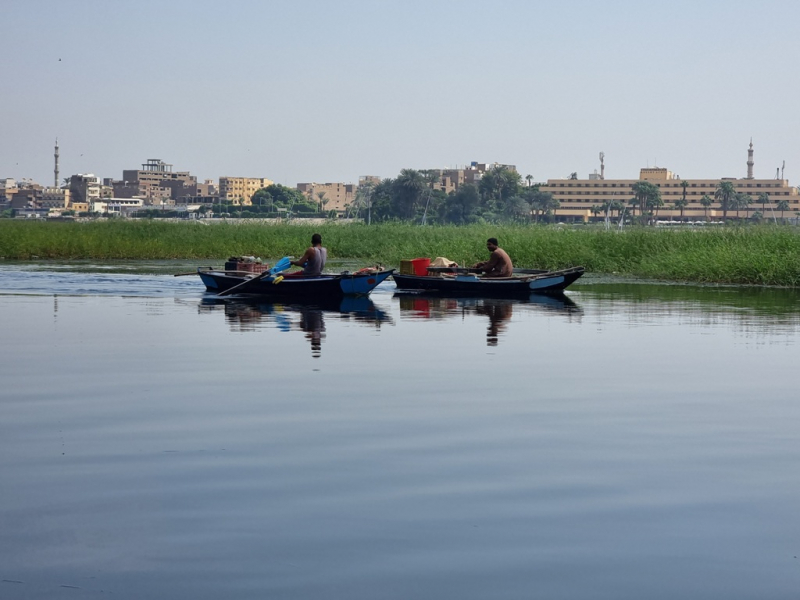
(281,265)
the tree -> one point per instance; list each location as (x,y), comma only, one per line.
(646,194)
(706,202)
(743,201)
(725,195)
(597,210)
(322,201)
(684,185)
(543,203)
(517,209)
(407,192)
(756,217)
(681,204)
(529,179)
(782,206)
(763,198)
(655,202)
(460,206)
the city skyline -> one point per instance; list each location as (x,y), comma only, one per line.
(316,92)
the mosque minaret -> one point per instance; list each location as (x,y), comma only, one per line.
(750,160)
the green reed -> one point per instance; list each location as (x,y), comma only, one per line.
(763,255)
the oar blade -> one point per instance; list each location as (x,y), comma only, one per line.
(281,265)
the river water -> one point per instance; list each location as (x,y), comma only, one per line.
(630,441)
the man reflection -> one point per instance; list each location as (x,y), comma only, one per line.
(313,323)
(499,313)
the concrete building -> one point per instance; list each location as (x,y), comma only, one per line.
(240,190)
(55,197)
(156,182)
(85,188)
(7,188)
(337,196)
(117,206)
(578,196)
(449,180)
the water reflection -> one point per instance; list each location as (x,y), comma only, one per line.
(498,310)
(306,316)
(750,310)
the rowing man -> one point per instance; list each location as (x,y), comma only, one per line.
(499,264)
(313,261)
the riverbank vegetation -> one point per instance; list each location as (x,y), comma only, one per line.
(757,255)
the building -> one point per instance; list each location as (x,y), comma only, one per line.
(449,180)
(155,182)
(55,197)
(117,206)
(7,188)
(240,190)
(331,196)
(577,197)
(85,188)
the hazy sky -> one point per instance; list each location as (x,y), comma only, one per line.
(301,91)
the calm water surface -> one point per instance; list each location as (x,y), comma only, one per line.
(629,441)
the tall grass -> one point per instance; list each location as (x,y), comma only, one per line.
(764,255)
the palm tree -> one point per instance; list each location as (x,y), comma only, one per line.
(321,197)
(763,198)
(684,185)
(744,201)
(529,179)
(782,206)
(706,202)
(633,202)
(645,193)
(597,209)
(725,195)
(681,204)
(655,201)
(410,184)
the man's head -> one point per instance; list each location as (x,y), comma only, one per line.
(491,244)
(316,239)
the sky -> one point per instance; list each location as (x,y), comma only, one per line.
(327,91)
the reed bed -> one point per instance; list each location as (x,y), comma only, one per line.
(763,255)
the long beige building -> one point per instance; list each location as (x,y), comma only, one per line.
(240,190)
(577,197)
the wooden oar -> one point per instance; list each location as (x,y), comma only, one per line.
(281,265)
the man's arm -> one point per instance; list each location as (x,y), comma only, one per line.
(300,262)
(492,263)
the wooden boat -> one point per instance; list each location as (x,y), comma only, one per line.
(454,280)
(326,286)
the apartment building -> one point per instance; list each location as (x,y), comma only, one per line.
(240,190)
(335,196)
(55,197)
(156,182)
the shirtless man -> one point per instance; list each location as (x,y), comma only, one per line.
(313,261)
(499,264)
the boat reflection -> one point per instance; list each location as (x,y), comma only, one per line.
(306,316)
(498,310)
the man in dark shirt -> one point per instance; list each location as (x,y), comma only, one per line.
(499,264)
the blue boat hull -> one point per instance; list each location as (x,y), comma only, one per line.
(324,286)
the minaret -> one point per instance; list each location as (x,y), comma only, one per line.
(56,169)
(750,160)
